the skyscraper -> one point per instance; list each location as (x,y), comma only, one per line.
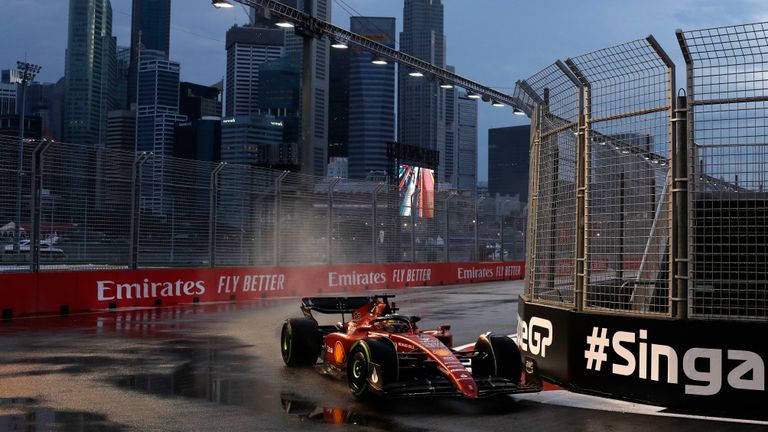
(156,118)
(256,141)
(279,86)
(197,101)
(247,48)
(46,100)
(449,155)
(199,139)
(421,102)
(121,134)
(150,29)
(90,71)
(7,98)
(338,114)
(158,106)
(122,77)
(371,100)
(466,140)
(10,76)
(9,79)
(508,161)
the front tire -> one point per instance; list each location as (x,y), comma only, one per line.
(371,365)
(498,356)
(300,342)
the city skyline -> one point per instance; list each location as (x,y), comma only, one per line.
(371,101)
(198,37)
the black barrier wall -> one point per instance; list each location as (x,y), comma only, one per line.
(694,364)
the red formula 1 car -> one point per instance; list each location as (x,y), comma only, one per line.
(383,353)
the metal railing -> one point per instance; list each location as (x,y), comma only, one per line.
(644,203)
(727,102)
(94,208)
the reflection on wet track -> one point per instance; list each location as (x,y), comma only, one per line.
(218,367)
(309,411)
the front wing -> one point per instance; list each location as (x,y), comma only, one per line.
(442,386)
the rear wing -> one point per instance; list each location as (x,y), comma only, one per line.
(342,305)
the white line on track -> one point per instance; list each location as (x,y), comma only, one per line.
(576,400)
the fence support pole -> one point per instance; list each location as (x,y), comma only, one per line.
(447,228)
(213,214)
(413,229)
(331,187)
(375,227)
(133,262)
(554,192)
(531,253)
(278,205)
(578,78)
(680,210)
(501,236)
(476,230)
(37,194)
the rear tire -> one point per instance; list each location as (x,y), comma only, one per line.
(300,342)
(360,367)
(498,357)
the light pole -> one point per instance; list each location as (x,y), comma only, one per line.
(27,73)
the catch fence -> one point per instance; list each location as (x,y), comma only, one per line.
(90,207)
(645,203)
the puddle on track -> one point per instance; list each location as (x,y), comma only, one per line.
(23,414)
(310,412)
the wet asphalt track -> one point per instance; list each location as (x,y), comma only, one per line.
(218,367)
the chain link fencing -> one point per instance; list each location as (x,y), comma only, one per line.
(644,203)
(727,84)
(97,208)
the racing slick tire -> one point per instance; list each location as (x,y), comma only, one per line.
(300,342)
(374,359)
(498,357)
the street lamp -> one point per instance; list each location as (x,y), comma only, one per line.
(27,73)
(339,44)
(285,24)
(379,60)
(497,104)
(518,112)
(222,4)
(472,95)
(415,74)
(446,85)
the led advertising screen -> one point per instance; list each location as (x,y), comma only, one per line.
(417,186)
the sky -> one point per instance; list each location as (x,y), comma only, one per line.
(494,42)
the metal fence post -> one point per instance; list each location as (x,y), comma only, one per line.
(531,254)
(446,242)
(686,156)
(476,229)
(37,180)
(213,214)
(501,236)
(413,229)
(375,210)
(278,205)
(331,187)
(573,72)
(680,210)
(135,209)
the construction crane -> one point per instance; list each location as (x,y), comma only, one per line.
(310,27)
